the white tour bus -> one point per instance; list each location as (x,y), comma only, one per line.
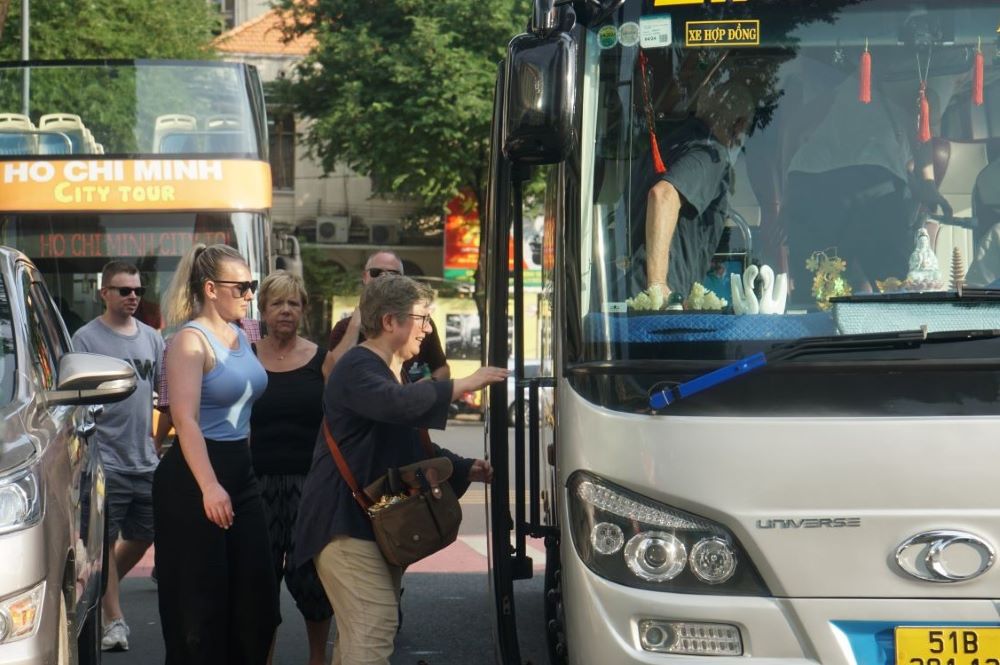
(788,457)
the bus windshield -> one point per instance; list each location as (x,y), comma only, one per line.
(758,172)
(128,108)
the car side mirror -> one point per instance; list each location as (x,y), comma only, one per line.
(539,98)
(90,378)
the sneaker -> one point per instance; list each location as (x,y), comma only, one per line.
(115,636)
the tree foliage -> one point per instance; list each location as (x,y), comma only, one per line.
(65,29)
(402,90)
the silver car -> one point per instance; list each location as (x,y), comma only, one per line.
(52,523)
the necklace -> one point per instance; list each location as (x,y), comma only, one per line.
(281,356)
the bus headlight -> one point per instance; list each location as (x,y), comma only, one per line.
(20,501)
(636,541)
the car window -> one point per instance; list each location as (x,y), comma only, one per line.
(8,348)
(39,348)
(55,331)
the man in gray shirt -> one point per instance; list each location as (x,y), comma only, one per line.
(124,434)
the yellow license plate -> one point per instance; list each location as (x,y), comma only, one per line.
(950,645)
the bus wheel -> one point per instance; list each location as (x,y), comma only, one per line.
(554,617)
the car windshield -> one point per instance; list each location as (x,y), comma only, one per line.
(758,172)
(8,354)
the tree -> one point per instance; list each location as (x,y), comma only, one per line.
(402,90)
(4,9)
(64,29)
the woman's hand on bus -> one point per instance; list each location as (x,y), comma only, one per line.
(481,471)
(218,507)
(481,378)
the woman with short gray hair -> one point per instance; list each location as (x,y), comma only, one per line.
(376,417)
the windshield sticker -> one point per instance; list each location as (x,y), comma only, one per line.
(628,34)
(722,33)
(656,31)
(607,36)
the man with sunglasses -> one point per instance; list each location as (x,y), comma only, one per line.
(430,362)
(124,434)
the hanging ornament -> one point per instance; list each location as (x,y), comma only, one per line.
(923,106)
(654,146)
(865,76)
(923,116)
(977,75)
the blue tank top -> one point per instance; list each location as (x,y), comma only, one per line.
(230,389)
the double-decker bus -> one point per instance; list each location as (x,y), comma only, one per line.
(132,160)
(787,454)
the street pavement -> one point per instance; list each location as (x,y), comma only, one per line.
(447,615)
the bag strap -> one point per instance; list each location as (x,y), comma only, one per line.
(345,470)
(363,500)
(425,441)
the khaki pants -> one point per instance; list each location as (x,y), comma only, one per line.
(364,592)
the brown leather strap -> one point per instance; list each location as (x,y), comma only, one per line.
(345,470)
(425,441)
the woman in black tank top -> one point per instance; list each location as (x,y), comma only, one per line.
(283,429)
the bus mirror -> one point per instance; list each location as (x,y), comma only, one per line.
(539,98)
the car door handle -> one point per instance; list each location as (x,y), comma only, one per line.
(86,429)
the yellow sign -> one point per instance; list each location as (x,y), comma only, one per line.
(957,645)
(722,33)
(675,3)
(102,185)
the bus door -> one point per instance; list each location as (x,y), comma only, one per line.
(518,264)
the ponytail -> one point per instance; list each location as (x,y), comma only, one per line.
(185,295)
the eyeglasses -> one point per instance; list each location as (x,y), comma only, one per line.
(243,287)
(424,319)
(378,272)
(126,291)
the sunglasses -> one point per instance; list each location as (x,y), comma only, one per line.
(243,287)
(378,272)
(126,291)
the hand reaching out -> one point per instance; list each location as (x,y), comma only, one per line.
(481,471)
(481,378)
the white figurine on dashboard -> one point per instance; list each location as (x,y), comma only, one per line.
(774,291)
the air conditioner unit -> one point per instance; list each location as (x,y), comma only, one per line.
(333,230)
(383,233)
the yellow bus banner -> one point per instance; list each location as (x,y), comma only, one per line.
(140,185)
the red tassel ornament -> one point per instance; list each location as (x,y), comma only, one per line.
(923,116)
(977,75)
(657,160)
(654,145)
(865,77)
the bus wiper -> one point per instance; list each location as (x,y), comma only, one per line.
(903,339)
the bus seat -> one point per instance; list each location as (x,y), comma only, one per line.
(54,143)
(169,123)
(179,143)
(986,198)
(222,122)
(69,124)
(16,137)
(225,142)
(15,121)
(957,164)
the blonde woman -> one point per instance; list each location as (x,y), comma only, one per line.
(283,429)
(217,594)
